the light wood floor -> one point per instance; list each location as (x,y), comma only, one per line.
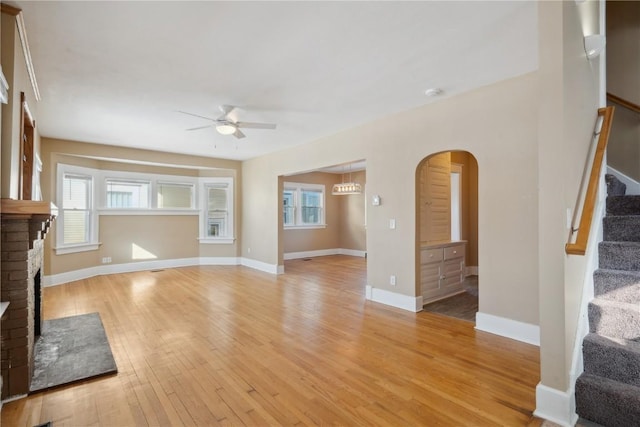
(230,345)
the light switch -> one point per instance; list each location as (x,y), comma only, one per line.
(392,224)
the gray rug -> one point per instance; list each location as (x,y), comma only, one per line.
(71,349)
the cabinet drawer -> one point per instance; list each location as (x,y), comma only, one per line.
(456,251)
(430,255)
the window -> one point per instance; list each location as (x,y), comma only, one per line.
(175,195)
(125,194)
(76,206)
(76,223)
(303,205)
(217,211)
(289,207)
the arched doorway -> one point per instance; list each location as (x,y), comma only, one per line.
(447,230)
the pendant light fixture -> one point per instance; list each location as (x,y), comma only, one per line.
(345,188)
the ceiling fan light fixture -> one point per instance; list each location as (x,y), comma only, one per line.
(226,129)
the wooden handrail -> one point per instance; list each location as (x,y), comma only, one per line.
(623,102)
(580,245)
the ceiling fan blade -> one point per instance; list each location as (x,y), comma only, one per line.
(197,115)
(238,134)
(252,125)
(229,113)
(200,127)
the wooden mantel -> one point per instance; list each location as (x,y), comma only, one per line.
(27,207)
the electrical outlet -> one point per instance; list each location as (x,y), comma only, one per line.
(392,280)
(106,260)
(248,250)
(392,224)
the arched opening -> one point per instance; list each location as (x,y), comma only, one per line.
(447,234)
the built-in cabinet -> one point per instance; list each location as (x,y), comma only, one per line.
(442,270)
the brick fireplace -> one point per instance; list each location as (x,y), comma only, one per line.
(24,226)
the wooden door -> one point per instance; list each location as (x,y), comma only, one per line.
(435,200)
(26,149)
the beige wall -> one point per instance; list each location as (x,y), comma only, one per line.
(568,101)
(165,236)
(15,70)
(623,80)
(353,232)
(344,216)
(143,238)
(507,167)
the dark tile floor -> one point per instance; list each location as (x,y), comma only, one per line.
(462,306)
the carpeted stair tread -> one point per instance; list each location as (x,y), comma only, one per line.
(607,402)
(619,255)
(618,285)
(613,358)
(623,205)
(614,319)
(615,187)
(621,228)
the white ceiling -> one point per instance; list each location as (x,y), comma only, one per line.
(116,72)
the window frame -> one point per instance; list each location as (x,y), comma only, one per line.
(92,243)
(126,181)
(190,185)
(297,188)
(205,184)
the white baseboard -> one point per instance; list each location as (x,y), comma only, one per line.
(471,270)
(262,266)
(633,186)
(555,405)
(85,273)
(393,299)
(508,328)
(324,252)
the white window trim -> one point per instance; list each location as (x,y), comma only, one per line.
(298,187)
(191,185)
(99,194)
(221,240)
(92,244)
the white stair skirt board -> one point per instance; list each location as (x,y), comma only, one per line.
(633,186)
(405,302)
(324,252)
(85,273)
(508,328)
(555,405)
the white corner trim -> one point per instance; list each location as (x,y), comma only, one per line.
(508,328)
(555,405)
(259,265)
(324,252)
(633,186)
(405,302)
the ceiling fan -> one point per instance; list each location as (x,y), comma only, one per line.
(228,124)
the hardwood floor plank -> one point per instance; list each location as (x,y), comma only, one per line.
(230,345)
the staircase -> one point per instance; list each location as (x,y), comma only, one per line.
(608,392)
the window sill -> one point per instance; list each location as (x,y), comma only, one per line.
(63,250)
(216,240)
(304,227)
(123,212)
